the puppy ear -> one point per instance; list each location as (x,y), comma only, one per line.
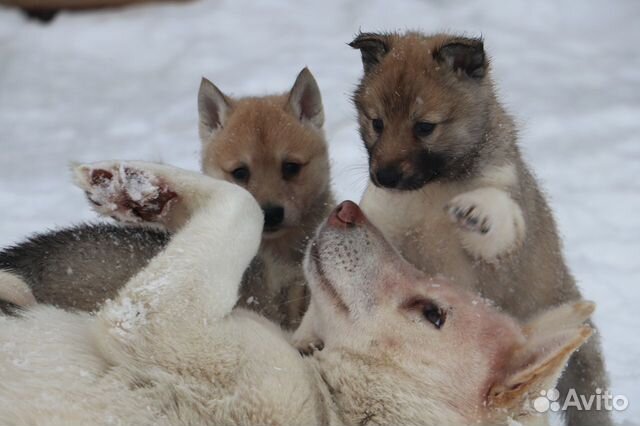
(305,100)
(213,107)
(464,55)
(373,47)
(536,365)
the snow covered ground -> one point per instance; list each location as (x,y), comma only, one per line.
(123,83)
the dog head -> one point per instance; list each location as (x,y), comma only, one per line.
(428,351)
(273,146)
(422,106)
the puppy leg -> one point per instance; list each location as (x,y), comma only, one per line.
(490,222)
(305,338)
(195,280)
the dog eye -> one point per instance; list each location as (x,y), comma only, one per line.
(241,174)
(423,129)
(290,170)
(429,310)
(434,314)
(378,125)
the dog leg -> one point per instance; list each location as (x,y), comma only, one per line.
(134,193)
(195,280)
(490,222)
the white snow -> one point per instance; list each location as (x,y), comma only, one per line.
(138,186)
(123,83)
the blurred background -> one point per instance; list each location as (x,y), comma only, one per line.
(121,82)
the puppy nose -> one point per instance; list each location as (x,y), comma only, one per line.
(347,214)
(389,177)
(273,215)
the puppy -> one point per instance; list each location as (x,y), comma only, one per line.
(401,347)
(273,146)
(449,188)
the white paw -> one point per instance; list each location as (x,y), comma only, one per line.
(124,191)
(490,222)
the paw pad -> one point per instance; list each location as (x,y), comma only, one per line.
(126,193)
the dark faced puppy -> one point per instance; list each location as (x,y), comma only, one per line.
(451,190)
(422,107)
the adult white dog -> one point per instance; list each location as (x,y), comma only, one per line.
(400,347)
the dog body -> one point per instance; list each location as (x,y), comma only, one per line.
(400,347)
(273,146)
(79,268)
(450,189)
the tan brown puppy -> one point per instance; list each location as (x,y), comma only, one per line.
(274,146)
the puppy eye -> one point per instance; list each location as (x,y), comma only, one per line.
(241,174)
(290,170)
(434,314)
(423,129)
(378,125)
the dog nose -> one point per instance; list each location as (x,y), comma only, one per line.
(273,216)
(347,214)
(389,177)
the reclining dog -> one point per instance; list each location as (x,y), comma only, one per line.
(400,347)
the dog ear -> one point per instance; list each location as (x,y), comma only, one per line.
(464,55)
(537,364)
(305,100)
(373,47)
(213,108)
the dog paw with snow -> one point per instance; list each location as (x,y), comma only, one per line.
(125,192)
(490,223)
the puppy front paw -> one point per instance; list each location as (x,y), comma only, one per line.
(490,222)
(124,192)
(468,216)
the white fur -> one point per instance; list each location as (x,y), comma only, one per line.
(503,176)
(13,289)
(427,214)
(494,209)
